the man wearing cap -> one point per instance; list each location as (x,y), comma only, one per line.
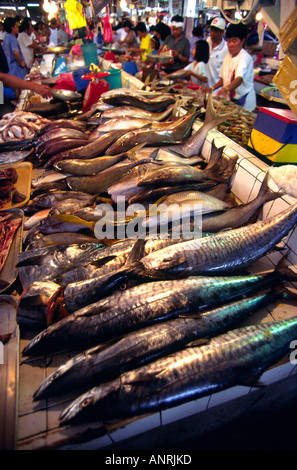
(179,45)
(217,50)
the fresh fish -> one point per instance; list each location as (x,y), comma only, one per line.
(229,359)
(139,306)
(224,251)
(149,102)
(61,145)
(61,123)
(172,133)
(239,215)
(47,263)
(193,145)
(134,112)
(95,147)
(33,305)
(88,167)
(36,218)
(107,361)
(65,238)
(47,200)
(49,176)
(182,205)
(102,181)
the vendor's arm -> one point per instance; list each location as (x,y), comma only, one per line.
(182,58)
(190,73)
(225,91)
(219,84)
(14,82)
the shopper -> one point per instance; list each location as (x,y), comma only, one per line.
(196,71)
(53,28)
(130,39)
(217,50)
(197,34)
(27,44)
(162,31)
(145,41)
(237,72)
(13,53)
(178,44)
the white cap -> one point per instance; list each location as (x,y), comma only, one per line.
(218,23)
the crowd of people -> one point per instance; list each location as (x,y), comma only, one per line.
(214,57)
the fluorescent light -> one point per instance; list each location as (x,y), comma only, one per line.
(33,5)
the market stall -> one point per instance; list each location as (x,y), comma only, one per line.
(58,272)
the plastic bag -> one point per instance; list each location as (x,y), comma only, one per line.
(107,29)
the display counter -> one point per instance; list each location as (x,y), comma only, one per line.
(37,423)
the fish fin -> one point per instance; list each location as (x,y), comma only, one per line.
(145,378)
(198,342)
(284,271)
(212,115)
(137,251)
(101,262)
(253,382)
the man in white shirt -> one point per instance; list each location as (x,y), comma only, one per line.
(217,50)
(53,39)
(237,73)
(26,42)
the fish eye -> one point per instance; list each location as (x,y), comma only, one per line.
(123,287)
(86,402)
(83,246)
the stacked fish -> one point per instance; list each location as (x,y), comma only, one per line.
(20,125)
(136,307)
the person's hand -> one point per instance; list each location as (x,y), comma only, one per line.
(188,74)
(43,90)
(22,64)
(163,74)
(223,93)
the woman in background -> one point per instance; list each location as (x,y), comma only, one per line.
(196,71)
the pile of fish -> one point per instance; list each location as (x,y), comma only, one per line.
(157,319)
(20,125)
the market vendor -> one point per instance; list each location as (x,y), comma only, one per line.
(178,43)
(145,41)
(237,73)
(130,39)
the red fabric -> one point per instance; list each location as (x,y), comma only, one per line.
(65,82)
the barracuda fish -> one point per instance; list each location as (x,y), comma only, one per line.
(99,183)
(149,102)
(225,251)
(227,360)
(172,133)
(134,112)
(106,361)
(47,263)
(139,306)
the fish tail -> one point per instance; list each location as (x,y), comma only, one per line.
(266,191)
(212,117)
(284,271)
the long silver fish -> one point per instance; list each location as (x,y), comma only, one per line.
(132,111)
(224,251)
(107,361)
(229,359)
(150,102)
(138,306)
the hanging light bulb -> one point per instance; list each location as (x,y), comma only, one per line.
(259,16)
(51,8)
